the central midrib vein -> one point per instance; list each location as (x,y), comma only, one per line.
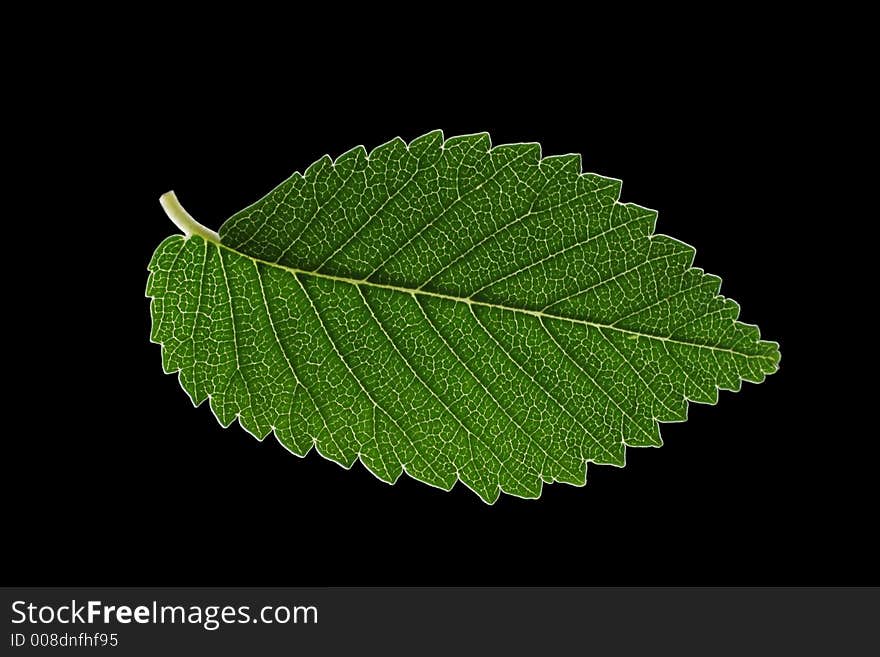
(474,302)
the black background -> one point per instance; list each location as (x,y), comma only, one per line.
(117,480)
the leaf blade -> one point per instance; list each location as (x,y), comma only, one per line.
(480,314)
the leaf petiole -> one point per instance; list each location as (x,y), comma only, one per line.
(184,220)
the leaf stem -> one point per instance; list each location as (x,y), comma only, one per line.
(184,220)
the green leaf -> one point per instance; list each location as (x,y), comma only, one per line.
(451,310)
